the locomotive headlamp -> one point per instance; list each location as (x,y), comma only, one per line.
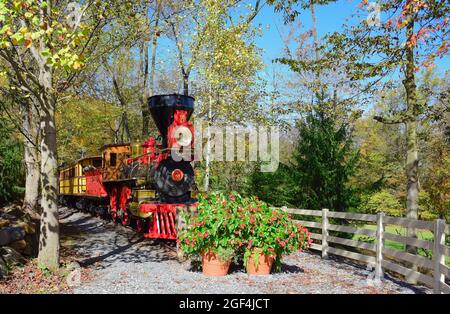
(177,175)
(182,136)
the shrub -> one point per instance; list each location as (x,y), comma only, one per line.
(11,175)
(214,228)
(231,225)
(426,211)
(270,230)
(382,201)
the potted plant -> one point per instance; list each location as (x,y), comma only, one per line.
(268,233)
(211,234)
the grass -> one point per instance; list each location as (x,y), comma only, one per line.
(421,234)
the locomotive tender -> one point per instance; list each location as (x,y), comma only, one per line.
(145,185)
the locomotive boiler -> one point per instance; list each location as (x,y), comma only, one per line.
(144,185)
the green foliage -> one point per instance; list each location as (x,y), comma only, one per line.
(383,146)
(325,160)
(85,124)
(11,174)
(381,201)
(225,176)
(426,209)
(381,161)
(60,39)
(277,188)
(228,64)
(215,228)
(269,231)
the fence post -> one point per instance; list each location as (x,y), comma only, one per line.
(379,247)
(438,257)
(324,233)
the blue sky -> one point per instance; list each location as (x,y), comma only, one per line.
(329,18)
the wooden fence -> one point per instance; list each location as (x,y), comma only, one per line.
(376,253)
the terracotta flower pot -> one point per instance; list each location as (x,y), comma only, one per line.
(213,266)
(264,266)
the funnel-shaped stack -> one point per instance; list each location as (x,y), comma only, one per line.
(162,109)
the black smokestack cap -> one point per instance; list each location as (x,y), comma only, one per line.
(162,109)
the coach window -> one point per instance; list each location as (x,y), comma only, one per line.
(97,163)
(112,159)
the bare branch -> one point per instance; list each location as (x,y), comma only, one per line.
(397,118)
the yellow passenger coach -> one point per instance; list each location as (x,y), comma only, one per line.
(72,180)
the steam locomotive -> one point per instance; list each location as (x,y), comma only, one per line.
(144,185)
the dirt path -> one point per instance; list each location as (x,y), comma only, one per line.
(124,262)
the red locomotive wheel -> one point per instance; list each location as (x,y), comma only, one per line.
(114,217)
(126,219)
(140,225)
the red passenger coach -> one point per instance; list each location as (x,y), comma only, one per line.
(145,185)
(94,183)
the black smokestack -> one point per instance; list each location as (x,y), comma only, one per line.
(162,109)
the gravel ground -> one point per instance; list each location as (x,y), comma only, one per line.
(123,262)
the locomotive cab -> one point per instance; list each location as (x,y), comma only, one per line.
(114,161)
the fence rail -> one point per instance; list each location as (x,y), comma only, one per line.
(377,254)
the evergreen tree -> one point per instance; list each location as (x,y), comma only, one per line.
(325,160)
(276,188)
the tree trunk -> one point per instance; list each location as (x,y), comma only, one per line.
(412,165)
(31,159)
(186,84)
(154,46)
(48,255)
(208,146)
(123,129)
(151,90)
(412,159)
(144,105)
(315,44)
(314,30)
(49,231)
